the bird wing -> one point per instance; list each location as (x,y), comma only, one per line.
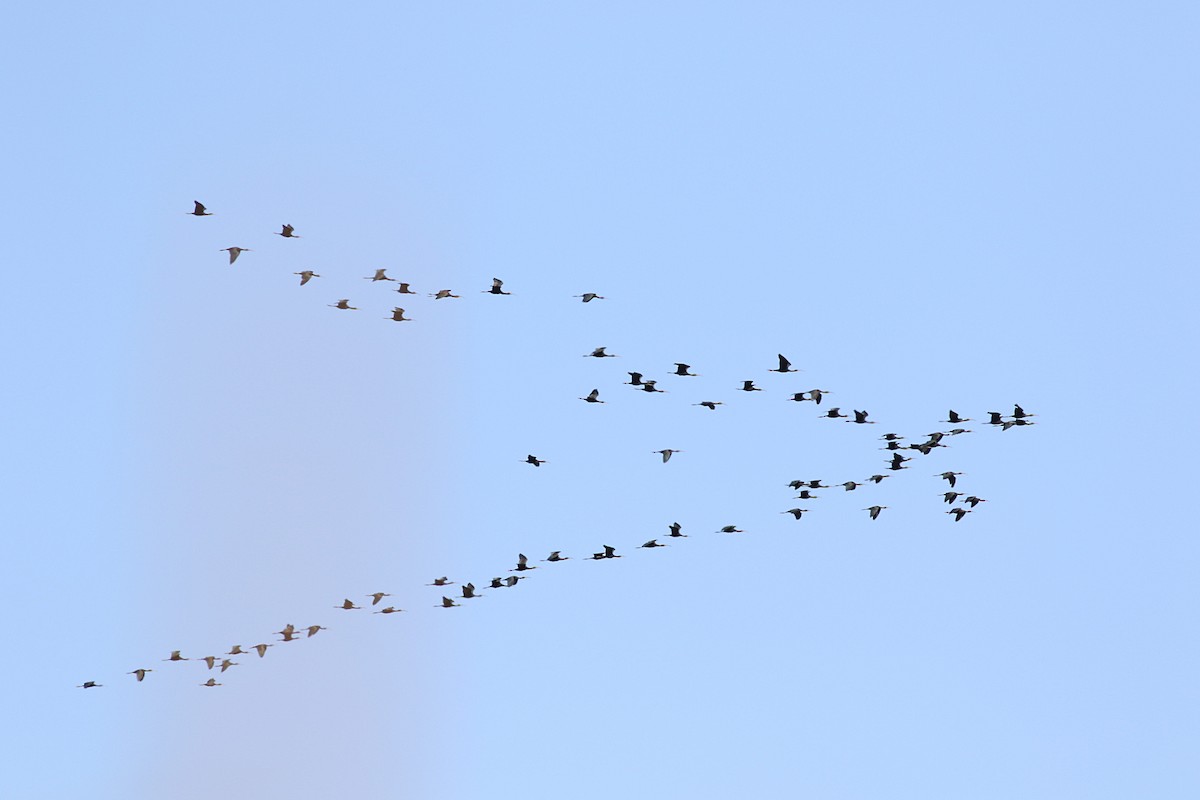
(783,363)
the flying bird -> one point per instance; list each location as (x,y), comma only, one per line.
(496,284)
(176,657)
(522,563)
(954,418)
(211,682)
(347,605)
(860,418)
(666,454)
(748,386)
(447,603)
(834,413)
(91,685)
(199,211)
(140,673)
(635,378)
(709,404)
(675,529)
(609,552)
(650,386)
(950,497)
(556,555)
(262,649)
(950,477)
(653,543)
(398,315)
(973,501)
(730,529)
(380,275)
(959,513)
(234,252)
(403,289)
(875,511)
(236,650)
(343,304)
(305,276)
(287,232)
(537,462)
(682,370)
(468,591)
(442,294)
(795,512)
(784,365)
(599,353)
(226,664)
(312,630)
(443,581)
(593,397)
(377,596)
(589,296)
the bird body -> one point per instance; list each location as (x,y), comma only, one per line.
(287,232)
(951,477)
(959,513)
(556,555)
(784,365)
(730,529)
(599,353)
(666,454)
(675,529)
(522,563)
(347,605)
(377,596)
(795,512)
(380,275)
(234,252)
(199,211)
(92,684)
(398,315)
(442,294)
(593,397)
(682,370)
(709,404)
(305,275)
(343,304)
(748,386)
(653,543)
(210,682)
(140,673)
(875,511)
(589,296)
(537,462)
(496,284)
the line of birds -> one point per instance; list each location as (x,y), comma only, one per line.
(897,462)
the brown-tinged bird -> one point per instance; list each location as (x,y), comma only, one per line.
(199,210)
(496,284)
(234,252)
(343,304)
(537,462)
(306,276)
(287,232)
(875,511)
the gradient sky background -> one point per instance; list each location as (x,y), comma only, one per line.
(925,206)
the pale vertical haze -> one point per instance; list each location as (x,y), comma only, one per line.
(925,206)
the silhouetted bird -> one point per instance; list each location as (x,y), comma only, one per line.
(875,511)
(682,370)
(784,365)
(973,501)
(537,462)
(522,563)
(287,232)
(589,296)
(748,386)
(90,685)
(496,284)
(675,529)
(959,513)
(795,512)
(653,543)
(593,397)
(666,454)
(199,211)
(950,477)
(709,404)
(599,353)
(306,276)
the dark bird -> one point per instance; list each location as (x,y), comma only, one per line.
(748,386)
(973,501)
(211,682)
(635,379)
(891,437)
(599,353)
(653,543)
(950,476)
(730,529)
(957,431)
(898,461)
(389,610)
(92,684)
(287,232)
(609,552)
(1015,422)
(305,276)
(784,365)
(380,275)
(234,252)
(537,462)
(442,294)
(447,603)
(875,511)
(398,315)
(468,591)
(651,386)
(805,494)
(878,478)
(140,673)
(347,605)
(589,296)
(593,397)
(795,512)
(1019,413)
(343,304)
(950,497)
(522,563)
(816,394)
(850,486)
(511,580)
(954,418)
(860,418)
(834,413)
(666,454)
(496,284)
(682,370)
(443,581)
(497,583)
(675,529)
(709,404)
(312,630)
(176,657)
(959,513)
(199,211)
(403,289)
(556,555)
(995,418)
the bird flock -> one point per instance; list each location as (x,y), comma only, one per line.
(961,503)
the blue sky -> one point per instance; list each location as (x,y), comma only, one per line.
(924,207)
